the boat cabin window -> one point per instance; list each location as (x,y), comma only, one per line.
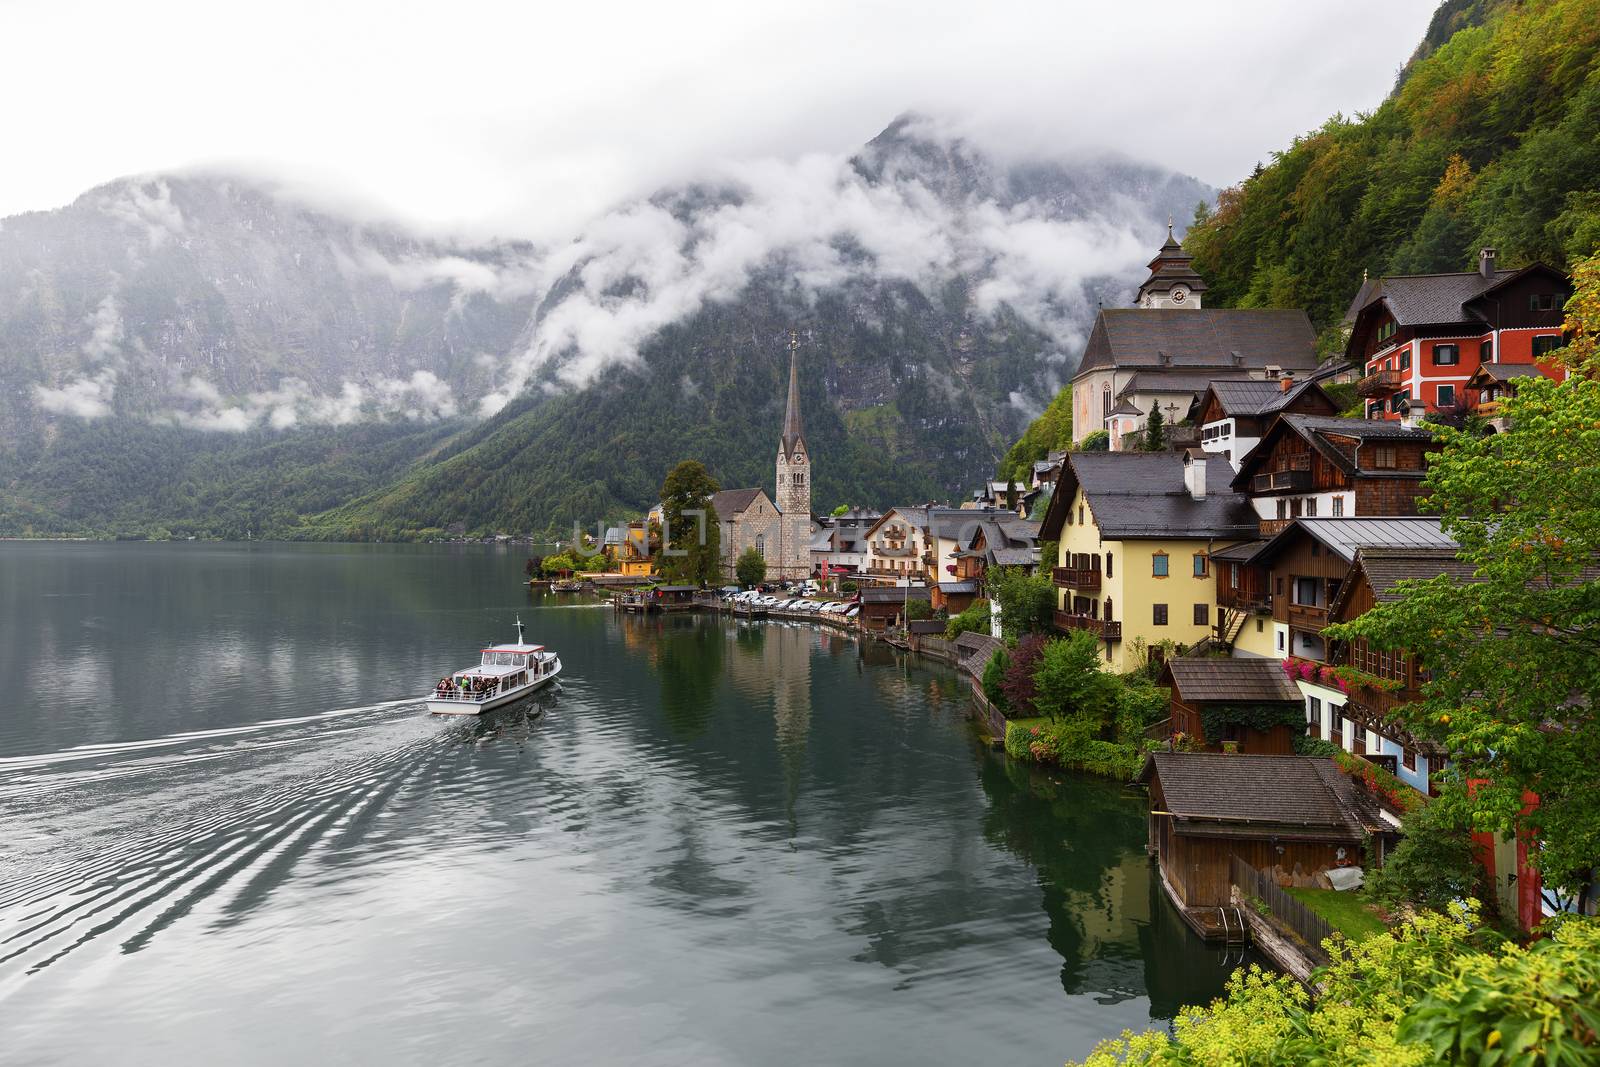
(505,659)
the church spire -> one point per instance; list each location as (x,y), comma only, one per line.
(793,431)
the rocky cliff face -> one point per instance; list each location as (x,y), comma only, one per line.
(942,295)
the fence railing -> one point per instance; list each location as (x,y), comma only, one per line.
(1311,927)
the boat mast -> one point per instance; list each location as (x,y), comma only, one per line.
(519,629)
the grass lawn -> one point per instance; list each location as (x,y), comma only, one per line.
(1345,912)
(1029,724)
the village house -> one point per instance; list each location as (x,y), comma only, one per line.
(1165,351)
(923,544)
(1321,466)
(1292,818)
(1303,570)
(1232,415)
(1135,532)
(1239,705)
(1421,337)
(1493,383)
(839,546)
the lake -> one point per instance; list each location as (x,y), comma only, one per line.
(231,833)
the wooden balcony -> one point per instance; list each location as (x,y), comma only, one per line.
(1281,481)
(1246,600)
(1075,577)
(1273,527)
(1107,629)
(1381,383)
(1489,409)
(1307,617)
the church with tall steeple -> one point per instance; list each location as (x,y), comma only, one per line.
(794,482)
(778,527)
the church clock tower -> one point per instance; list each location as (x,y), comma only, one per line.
(1173,282)
(794,485)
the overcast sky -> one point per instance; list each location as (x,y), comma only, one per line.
(524,119)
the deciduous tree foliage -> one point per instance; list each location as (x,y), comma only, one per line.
(751,567)
(688,488)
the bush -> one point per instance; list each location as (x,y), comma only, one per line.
(994,673)
(1096,441)
(974,620)
(750,568)
(1068,681)
(918,609)
(1018,684)
(1434,864)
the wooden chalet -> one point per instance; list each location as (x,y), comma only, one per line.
(1290,817)
(1232,415)
(1421,337)
(1232,694)
(1370,727)
(672,597)
(1316,466)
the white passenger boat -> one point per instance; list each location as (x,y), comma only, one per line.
(506,673)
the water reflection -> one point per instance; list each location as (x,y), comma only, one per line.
(735,837)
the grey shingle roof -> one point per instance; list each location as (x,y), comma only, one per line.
(1244,681)
(1142,495)
(1387,567)
(1335,437)
(1180,381)
(894,594)
(1304,792)
(731,502)
(1014,557)
(1239,553)
(957,588)
(1257,397)
(1345,537)
(1200,337)
(1419,299)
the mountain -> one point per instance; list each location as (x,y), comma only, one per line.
(201,354)
(1491,138)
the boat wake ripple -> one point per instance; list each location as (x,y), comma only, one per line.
(220,862)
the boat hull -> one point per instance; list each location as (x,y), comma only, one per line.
(499,700)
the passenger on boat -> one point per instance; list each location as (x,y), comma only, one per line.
(442,690)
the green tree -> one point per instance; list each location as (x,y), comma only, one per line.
(994,676)
(1095,441)
(918,609)
(1155,431)
(1433,866)
(1513,649)
(1069,681)
(1027,601)
(751,567)
(1050,432)
(842,509)
(695,539)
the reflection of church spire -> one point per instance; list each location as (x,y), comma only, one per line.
(791,709)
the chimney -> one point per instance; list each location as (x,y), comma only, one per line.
(1194,473)
(1286,382)
(1486,262)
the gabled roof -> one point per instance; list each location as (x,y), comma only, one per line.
(1142,495)
(1345,537)
(1336,438)
(1436,299)
(1245,680)
(1308,794)
(1503,373)
(1220,338)
(730,503)
(1386,566)
(1255,397)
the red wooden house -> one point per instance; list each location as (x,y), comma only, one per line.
(1421,337)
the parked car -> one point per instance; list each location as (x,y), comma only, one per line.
(852,611)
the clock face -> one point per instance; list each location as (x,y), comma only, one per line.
(1179,294)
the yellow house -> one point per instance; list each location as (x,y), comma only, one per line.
(635,567)
(1135,532)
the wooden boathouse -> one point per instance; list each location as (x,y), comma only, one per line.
(1290,817)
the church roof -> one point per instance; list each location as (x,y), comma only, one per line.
(1200,338)
(1172,266)
(793,430)
(730,503)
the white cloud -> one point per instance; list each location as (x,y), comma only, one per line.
(87,397)
(145,205)
(422,398)
(105,329)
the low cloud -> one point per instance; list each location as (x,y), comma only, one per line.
(146,206)
(423,397)
(90,395)
(87,397)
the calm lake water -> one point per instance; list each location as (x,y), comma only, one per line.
(230,833)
